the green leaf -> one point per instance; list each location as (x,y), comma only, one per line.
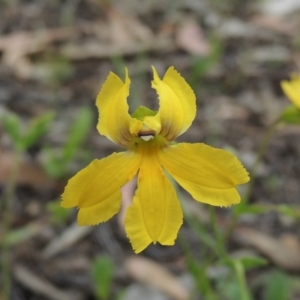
(57,163)
(80,128)
(292,211)
(289,210)
(102,274)
(37,128)
(277,287)
(228,287)
(246,262)
(251,262)
(12,125)
(291,115)
(245,208)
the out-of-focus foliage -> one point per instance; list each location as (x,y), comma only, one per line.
(23,139)
(291,115)
(102,273)
(57,213)
(277,286)
(57,164)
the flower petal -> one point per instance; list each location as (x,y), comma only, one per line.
(210,175)
(100,212)
(96,188)
(113,109)
(155,214)
(292,89)
(177,103)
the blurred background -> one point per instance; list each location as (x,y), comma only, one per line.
(54,57)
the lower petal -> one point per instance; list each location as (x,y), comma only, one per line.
(96,188)
(155,214)
(100,212)
(210,175)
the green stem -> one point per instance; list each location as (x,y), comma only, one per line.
(222,253)
(253,173)
(7,217)
(261,150)
(199,272)
(240,273)
(205,238)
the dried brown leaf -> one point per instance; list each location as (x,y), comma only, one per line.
(153,274)
(17,46)
(94,49)
(41,286)
(29,173)
(69,237)
(278,251)
(190,37)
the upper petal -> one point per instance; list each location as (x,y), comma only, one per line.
(177,103)
(96,188)
(292,89)
(114,118)
(210,175)
(155,214)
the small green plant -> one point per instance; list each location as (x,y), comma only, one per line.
(22,138)
(57,164)
(277,287)
(102,275)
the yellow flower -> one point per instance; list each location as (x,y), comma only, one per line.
(210,175)
(292,89)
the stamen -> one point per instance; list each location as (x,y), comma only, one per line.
(146,135)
